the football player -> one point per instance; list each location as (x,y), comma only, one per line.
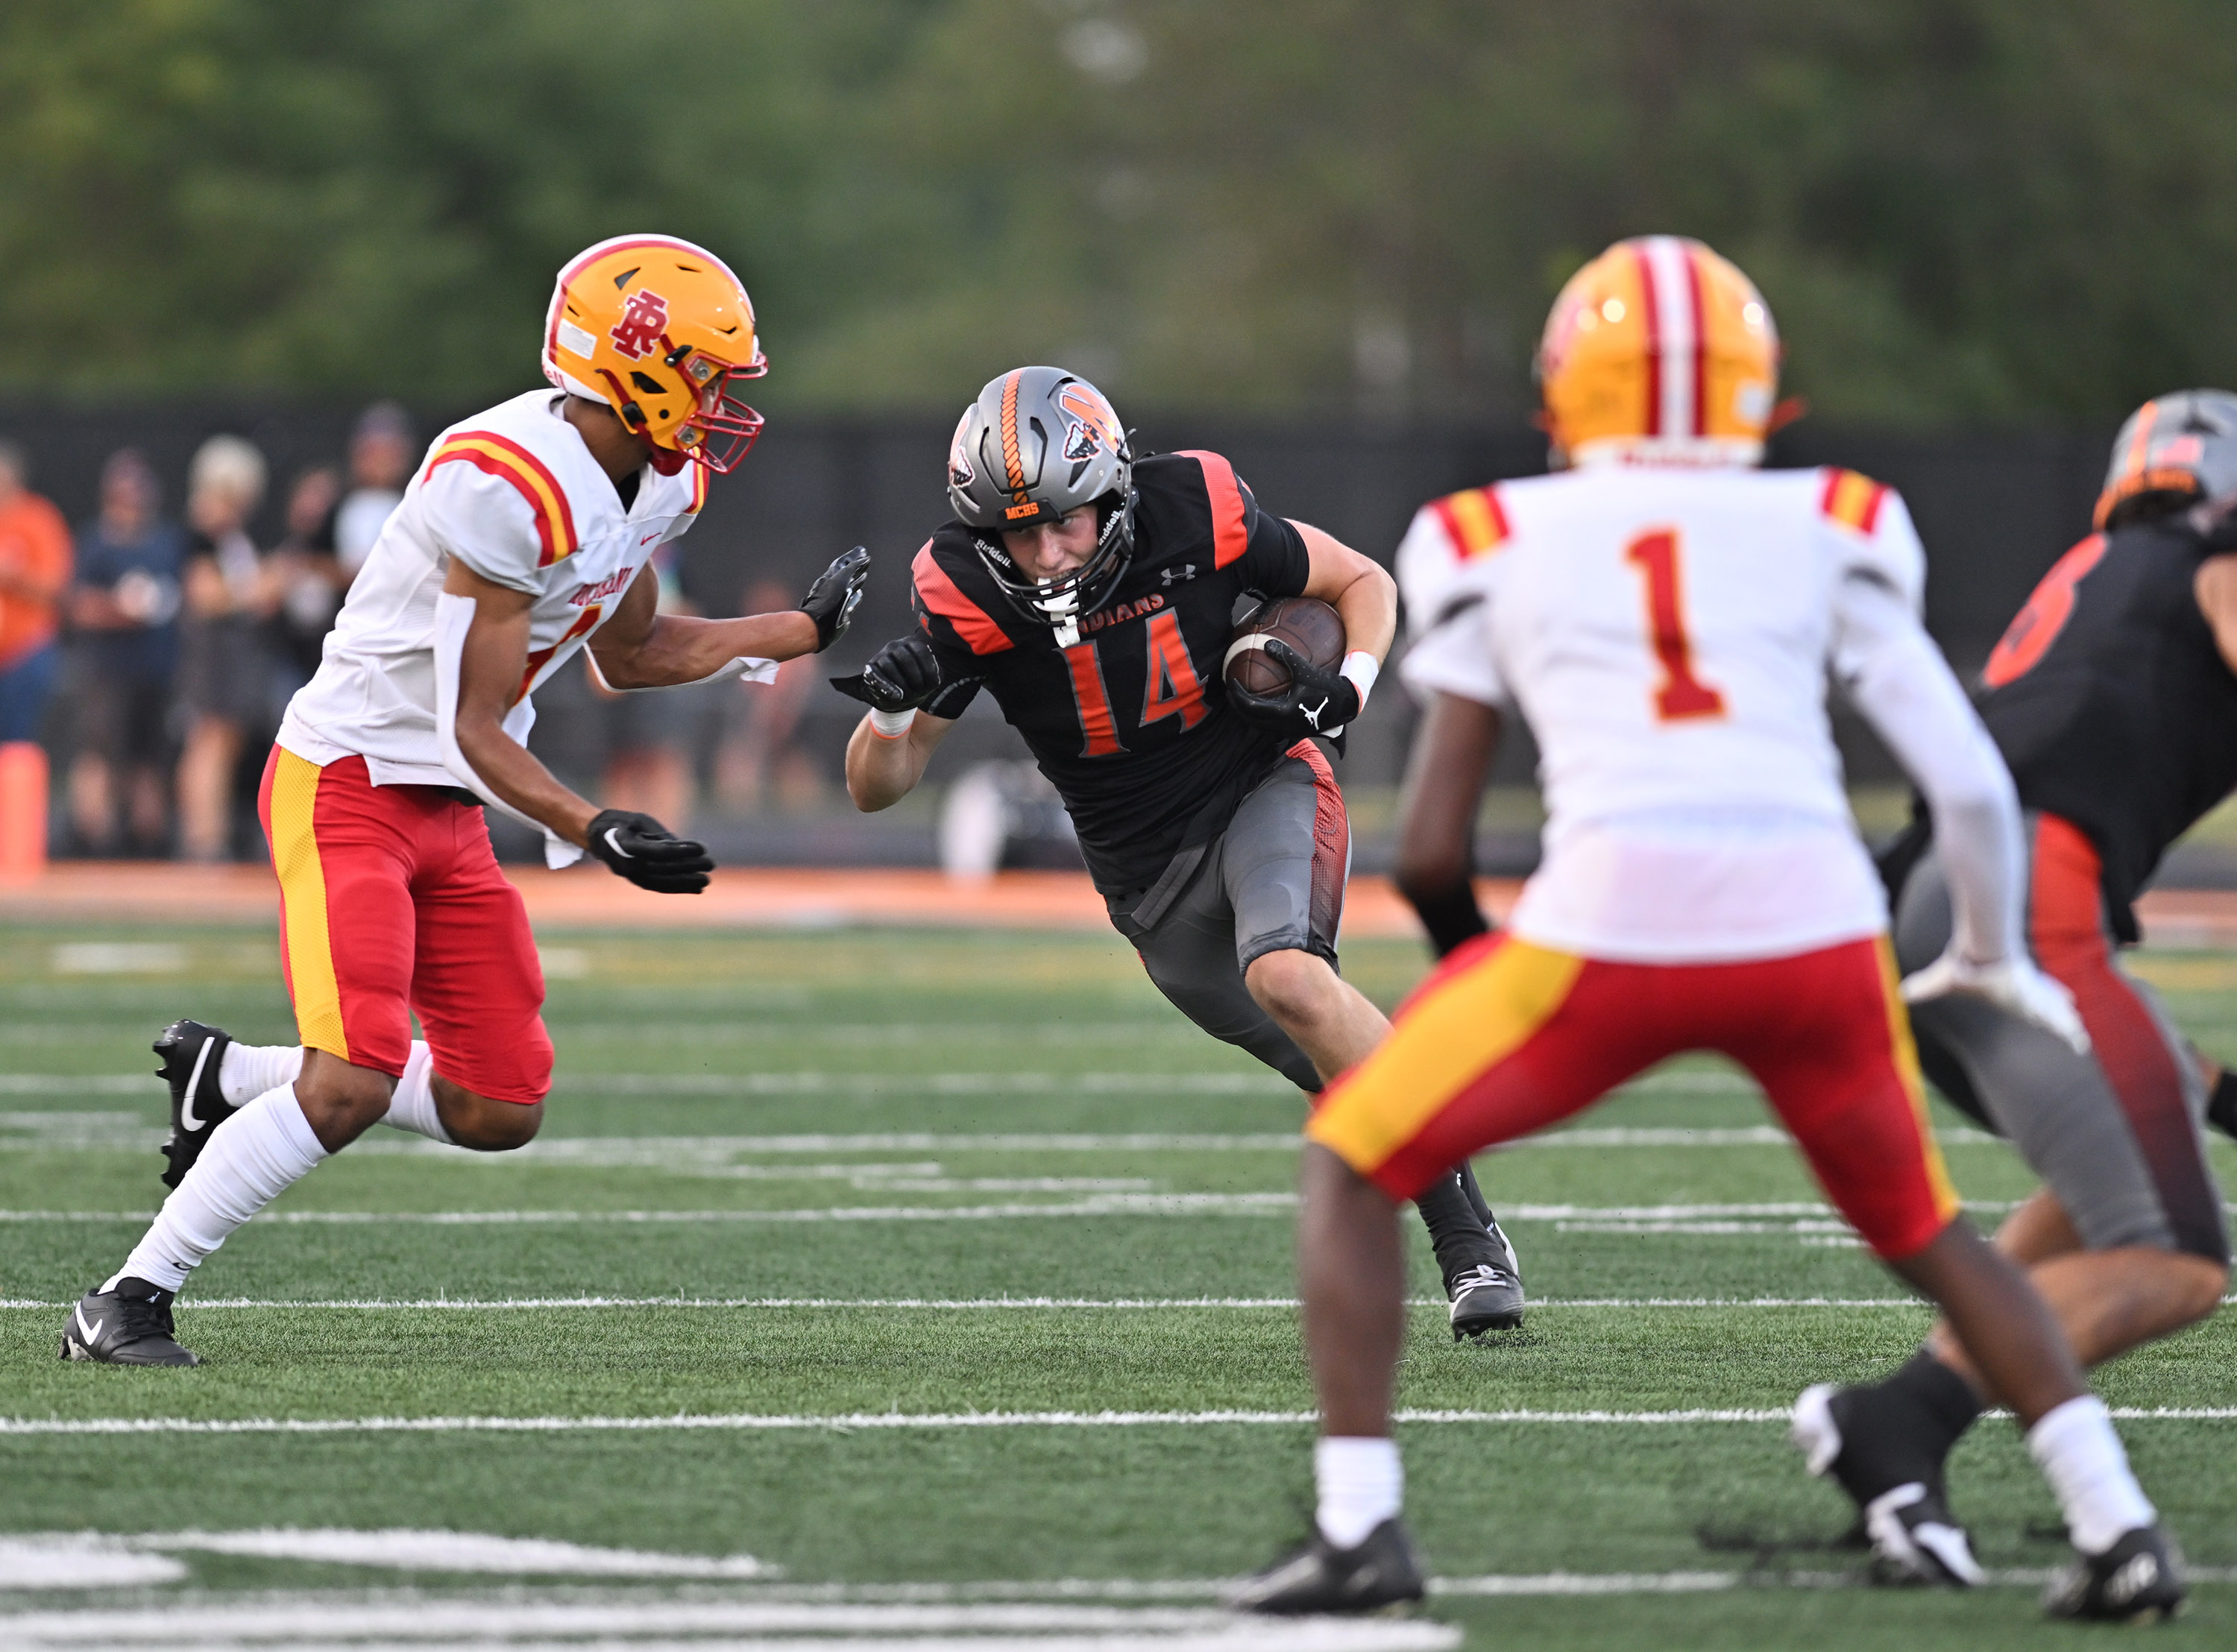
(1093,595)
(2113,698)
(1664,616)
(526,536)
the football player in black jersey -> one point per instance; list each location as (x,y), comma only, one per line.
(1093,595)
(2113,697)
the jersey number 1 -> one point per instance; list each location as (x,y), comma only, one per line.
(1681,694)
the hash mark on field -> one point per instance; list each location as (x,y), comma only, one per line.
(868,1421)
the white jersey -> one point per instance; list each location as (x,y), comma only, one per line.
(514,494)
(1667,633)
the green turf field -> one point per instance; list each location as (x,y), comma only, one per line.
(870,1286)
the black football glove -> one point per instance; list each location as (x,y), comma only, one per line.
(1315,703)
(647,853)
(900,676)
(831,600)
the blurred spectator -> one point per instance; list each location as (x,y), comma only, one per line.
(34,570)
(310,582)
(760,765)
(123,609)
(382,450)
(225,672)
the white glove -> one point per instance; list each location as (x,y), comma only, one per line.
(2012,983)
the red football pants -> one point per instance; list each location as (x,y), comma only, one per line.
(392,904)
(1505,1039)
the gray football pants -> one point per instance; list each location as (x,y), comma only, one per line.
(2115,1135)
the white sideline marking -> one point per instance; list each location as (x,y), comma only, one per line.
(79,1560)
(117,957)
(871,1421)
(454,1551)
(386,1625)
(1109,1204)
(966,1304)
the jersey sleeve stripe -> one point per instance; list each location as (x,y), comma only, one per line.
(700,476)
(938,593)
(499,457)
(1852,500)
(1230,539)
(1475,520)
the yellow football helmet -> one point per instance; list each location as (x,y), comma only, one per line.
(657,329)
(1659,351)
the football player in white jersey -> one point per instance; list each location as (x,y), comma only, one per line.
(1664,616)
(526,535)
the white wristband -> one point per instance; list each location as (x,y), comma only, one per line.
(1360,668)
(892,725)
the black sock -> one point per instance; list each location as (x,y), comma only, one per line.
(1902,1429)
(1466,1176)
(1451,915)
(2222,1106)
(1453,1229)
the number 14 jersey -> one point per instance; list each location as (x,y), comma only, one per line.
(1668,635)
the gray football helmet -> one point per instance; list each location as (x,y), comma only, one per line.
(2174,451)
(1038,443)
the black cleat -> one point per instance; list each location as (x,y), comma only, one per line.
(1485,1288)
(1914,1538)
(2138,1580)
(192,1054)
(1379,1575)
(130,1326)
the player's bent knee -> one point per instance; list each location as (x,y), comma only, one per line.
(483,1125)
(340,1101)
(1292,985)
(2205,1280)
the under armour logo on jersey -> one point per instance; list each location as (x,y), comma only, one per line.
(642,322)
(1174,576)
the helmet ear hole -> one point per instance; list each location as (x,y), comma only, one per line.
(648,384)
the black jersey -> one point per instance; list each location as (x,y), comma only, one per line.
(1131,723)
(2112,704)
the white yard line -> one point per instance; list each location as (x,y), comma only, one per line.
(873,1421)
(963,1304)
(1113,1204)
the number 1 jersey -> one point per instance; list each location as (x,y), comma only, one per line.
(1131,723)
(1668,635)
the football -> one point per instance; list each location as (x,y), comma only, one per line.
(1307,624)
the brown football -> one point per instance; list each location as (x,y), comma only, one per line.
(1307,624)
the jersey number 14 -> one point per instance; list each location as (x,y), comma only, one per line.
(1172,687)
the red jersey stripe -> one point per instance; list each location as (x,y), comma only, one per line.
(501,457)
(938,594)
(1230,539)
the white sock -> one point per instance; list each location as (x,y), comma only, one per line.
(245,1072)
(2082,1457)
(412,1107)
(250,1160)
(1360,1480)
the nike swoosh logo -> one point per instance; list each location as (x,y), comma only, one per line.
(89,1332)
(186,1119)
(650,537)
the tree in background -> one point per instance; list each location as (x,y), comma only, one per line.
(1977,210)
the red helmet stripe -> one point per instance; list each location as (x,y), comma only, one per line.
(1651,308)
(1230,538)
(1692,256)
(938,595)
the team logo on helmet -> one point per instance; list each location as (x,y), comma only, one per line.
(959,473)
(643,321)
(1094,422)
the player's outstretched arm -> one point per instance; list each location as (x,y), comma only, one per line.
(490,668)
(891,745)
(1897,679)
(642,648)
(1445,776)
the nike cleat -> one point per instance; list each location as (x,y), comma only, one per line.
(1486,1292)
(2138,1580)
(130,1326)
(1381,1574)
(1914,1538)
(192,1054)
